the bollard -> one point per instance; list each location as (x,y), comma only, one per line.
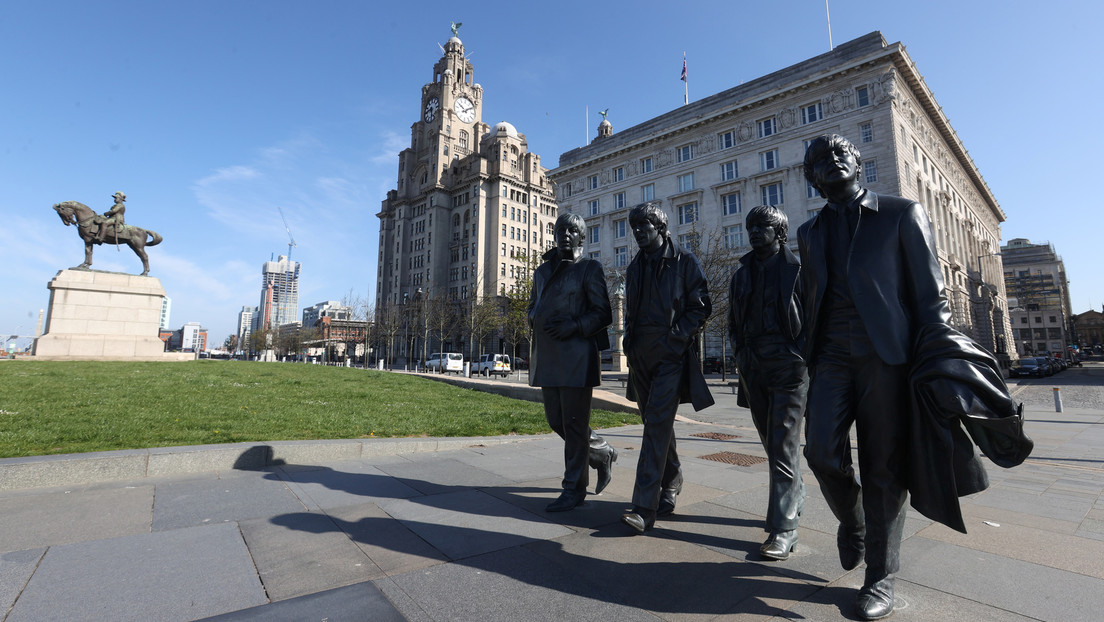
(1057,400)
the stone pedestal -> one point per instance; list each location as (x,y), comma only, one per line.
(104,316)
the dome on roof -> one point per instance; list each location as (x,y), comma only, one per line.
(605,122)
(455,39)
(504,128)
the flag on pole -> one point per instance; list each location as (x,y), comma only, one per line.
(683,67)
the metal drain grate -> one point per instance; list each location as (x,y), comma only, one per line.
(717,436)
(729,457)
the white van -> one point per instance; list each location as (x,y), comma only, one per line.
(445,361)
(493,364)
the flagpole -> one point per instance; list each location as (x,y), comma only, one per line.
(686,83)
(829,16)
(586,138)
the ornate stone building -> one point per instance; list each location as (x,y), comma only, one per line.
(470,205)
(711,161)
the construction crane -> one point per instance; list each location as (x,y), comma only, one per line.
(291,238)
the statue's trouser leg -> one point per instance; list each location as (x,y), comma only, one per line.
(777,384)
(657,391)
(852,385)
(567,410)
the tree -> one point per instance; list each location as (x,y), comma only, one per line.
(362,311)
(389,322)
(441,315)
(516,321)
(230,344)
(718,261)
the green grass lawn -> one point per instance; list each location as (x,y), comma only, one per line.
(75,407)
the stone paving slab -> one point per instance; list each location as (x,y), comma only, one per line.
(239,495)
(432,474)
(391,546)
(16,568)
(182,574)
(1024,588)
(467,523)
(59,516)
(304,554)
(363,602)
(341,484)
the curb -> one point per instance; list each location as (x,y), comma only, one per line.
(106,466)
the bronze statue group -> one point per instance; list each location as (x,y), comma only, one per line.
(854,334)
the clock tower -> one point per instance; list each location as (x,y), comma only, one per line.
(471,208)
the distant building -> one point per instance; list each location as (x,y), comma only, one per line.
(1088,329)
(329,308)
(709,162)
(471,203)
(191,337)
(1038,292)
(279,293)
(247,322)
(166,308)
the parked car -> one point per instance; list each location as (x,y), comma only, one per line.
(712,364)
(493,364)
(1060,364)
(1030,366)
(445,361)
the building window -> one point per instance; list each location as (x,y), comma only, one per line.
(727,139)
(593,207)
(619,174)
(646,165)
(1053,319)
(734,236)
(592,182)
(690,241)
(620,228)
(730,204)
(463,139)
(772,194)
(503,251)
(686,182)
(647,193)
(684,153)
(862,96)
(595,255)
(866,132)
(810,191)
(768,160)
(621,256)
(870,171)
(503,230)
(566,191)
(766,127)
(729,171)
(688,213)
(619,200)
(811,113)
(594,234)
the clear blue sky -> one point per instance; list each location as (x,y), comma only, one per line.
(210,114)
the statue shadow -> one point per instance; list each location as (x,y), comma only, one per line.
(503,532)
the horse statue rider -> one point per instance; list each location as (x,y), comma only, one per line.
(113,218)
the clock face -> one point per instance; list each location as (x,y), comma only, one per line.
(465,109)
(432,106)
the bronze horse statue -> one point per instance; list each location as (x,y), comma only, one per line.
(87,223)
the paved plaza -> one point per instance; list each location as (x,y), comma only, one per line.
(454,529)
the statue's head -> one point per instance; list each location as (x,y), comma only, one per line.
(119,196)
(772,217)
(649,225)
(570,233)
(821,151)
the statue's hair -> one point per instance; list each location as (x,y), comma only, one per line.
(652,212)
(772,217)
(569,218)
(821,145)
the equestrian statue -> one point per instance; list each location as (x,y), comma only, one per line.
(107,229)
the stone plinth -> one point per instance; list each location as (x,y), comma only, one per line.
(104,316)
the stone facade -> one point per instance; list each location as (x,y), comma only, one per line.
(708,163)
(1038,292)
(471,203)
